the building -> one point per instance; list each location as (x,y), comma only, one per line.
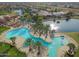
(44,13)
(59,13)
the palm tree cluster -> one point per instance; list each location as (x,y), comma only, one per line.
(33,45)
(13,40)
(26,18)
(39,27)
(22,19)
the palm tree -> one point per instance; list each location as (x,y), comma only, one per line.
(46,29)
(22,19)
(38,44)
(34,28)
(37,19)
(55,10)
(71,50)
(38,23)
(28,16)
(27,10)
(29,42)
(13,40)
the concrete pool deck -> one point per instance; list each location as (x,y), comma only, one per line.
(70,39)
(63,49)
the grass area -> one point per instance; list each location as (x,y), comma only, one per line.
(4,12)
(14,52)
(10,50)
(75,36)
(3,47)
(77,53)
(3,28)
(75,17)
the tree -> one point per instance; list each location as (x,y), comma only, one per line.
(13,40)
(37,18)
(29,42)
(27,15)
(38,26)
(27,10)
(68,15)
(33,45)
(22,19)
(71,50)
(38,44)
(46,29)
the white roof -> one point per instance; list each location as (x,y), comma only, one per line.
(58,13)
(45,13)
(1,17)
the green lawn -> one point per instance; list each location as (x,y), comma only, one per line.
(3,28)
(4,47)
(75,17)
(74,35)
(14,52)
(4,12)
(10,50)
(77,53)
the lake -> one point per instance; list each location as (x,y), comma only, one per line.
(66,26)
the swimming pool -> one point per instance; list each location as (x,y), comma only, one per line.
(25,33)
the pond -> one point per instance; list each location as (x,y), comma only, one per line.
(71,25)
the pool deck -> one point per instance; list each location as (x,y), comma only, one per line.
(63,49)
(70,39)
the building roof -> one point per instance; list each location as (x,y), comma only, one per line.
(58,13)
(44,13)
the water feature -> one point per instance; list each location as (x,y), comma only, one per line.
(25,33)
(66,26)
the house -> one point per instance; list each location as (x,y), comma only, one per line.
(44,13)
(33,11)
(59,13)
(18,12)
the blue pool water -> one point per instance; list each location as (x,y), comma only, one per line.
(25,33)
(57,42)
